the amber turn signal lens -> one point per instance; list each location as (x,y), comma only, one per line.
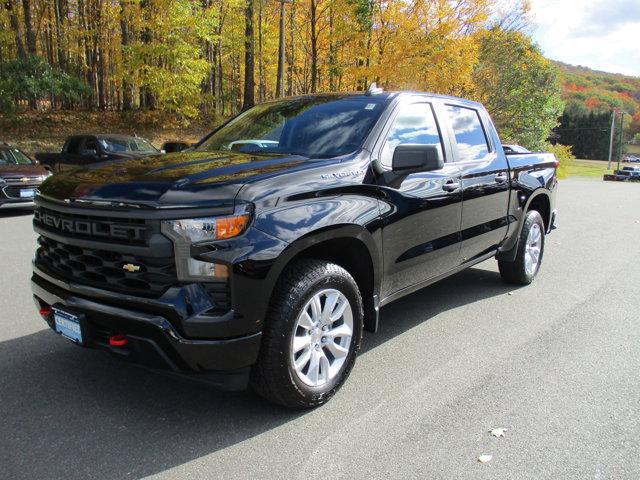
(229,227)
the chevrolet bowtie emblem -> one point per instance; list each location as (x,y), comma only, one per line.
(130,267)
(24,179)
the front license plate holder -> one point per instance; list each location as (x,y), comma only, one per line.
(27,193)
(69,325)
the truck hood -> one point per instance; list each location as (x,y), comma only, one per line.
(183,179)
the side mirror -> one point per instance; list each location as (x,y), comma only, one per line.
(89,151)
(408,158)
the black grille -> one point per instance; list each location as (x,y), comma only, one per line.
(104,269)
(13,191)
(150,276)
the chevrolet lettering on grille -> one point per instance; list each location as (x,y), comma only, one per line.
(90,228)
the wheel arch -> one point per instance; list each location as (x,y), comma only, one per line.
(539,199)
(352,247)
(541,202)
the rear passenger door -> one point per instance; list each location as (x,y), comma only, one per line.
(485,180)
(422,215)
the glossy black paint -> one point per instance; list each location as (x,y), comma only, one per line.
(397,232)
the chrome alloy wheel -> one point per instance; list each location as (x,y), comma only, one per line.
(533,249)
(322,337)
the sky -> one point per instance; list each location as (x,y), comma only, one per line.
(599,34)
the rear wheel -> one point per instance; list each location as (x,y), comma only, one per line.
(311,336)
(528,259)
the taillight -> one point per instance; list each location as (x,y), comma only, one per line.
(46,311)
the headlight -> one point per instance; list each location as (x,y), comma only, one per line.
(198,230)
(195,231)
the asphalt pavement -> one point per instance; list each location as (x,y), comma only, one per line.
(556,363)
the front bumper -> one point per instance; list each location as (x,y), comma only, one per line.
(153,340)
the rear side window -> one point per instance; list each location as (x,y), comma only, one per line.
(470,136)
(414,125)
(73,145)
(91,144)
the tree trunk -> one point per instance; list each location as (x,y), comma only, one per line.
(333,67)
(249,47)
(220,93)
(15,26)
(292,56)
(127,93)
(60,17)
(28,23)
(281,48)
(314,46)
(262,84)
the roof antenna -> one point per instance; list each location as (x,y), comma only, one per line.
(373,90)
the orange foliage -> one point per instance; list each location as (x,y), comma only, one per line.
(592,103)
(572,87)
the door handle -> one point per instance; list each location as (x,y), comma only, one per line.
(501,177)
(451,185)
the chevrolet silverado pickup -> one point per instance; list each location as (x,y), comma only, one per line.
(259,256)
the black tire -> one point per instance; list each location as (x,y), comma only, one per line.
(274,377)
(515,272)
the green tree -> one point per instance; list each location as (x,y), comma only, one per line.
(32,79)
(518,86)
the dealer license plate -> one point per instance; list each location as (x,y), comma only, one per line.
(68,325)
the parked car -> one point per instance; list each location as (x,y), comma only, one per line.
(82,150)
(172,147)
(20,177)
(633,172)
(514,149)
(265,265)
(632,159)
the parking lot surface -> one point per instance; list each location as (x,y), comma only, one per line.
(556,363)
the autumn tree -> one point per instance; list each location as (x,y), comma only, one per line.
(518,86)
(209,59)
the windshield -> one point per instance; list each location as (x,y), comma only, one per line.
(13,156)
(315,127)
(133,144)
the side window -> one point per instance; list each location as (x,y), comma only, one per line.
(416,124)
(73,146)
(91,144)
(470,136)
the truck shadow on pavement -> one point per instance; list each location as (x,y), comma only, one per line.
(67,412)
(15,212)
(468,286)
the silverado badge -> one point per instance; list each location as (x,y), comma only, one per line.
(130,267)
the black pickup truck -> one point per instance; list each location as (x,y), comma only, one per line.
(82,150)
(261,255)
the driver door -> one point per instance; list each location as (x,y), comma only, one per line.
(423,212)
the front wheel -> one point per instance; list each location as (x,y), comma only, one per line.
(311,336)
(528,259)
